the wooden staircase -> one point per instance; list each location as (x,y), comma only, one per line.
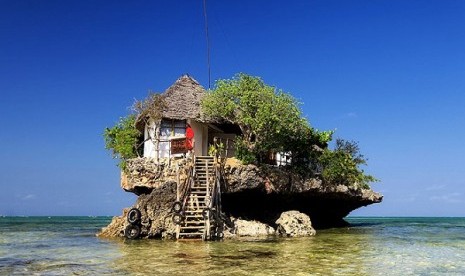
(197,223)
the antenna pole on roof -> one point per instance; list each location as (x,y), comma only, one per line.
(208,41)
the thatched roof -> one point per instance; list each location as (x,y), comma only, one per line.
(183,99)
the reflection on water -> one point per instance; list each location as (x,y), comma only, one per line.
(372,246)
(324,254)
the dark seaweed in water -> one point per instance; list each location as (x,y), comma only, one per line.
(12,262)
(247,254)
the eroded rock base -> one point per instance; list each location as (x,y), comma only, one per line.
(253,199)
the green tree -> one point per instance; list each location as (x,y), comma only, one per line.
(123,139)
(342,165)
(269,118)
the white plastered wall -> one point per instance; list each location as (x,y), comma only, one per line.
(200,137)
(149,145)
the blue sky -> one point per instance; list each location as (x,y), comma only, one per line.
(389,74)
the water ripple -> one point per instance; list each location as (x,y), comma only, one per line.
(370,246)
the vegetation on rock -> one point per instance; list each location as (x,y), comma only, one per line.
(271,121)
(342,165)
(122,139)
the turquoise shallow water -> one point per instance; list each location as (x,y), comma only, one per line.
(371,246)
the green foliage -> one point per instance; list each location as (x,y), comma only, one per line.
(122,139)
(322,138)
(243,153)
(341,165)
(216,150)
(269,118)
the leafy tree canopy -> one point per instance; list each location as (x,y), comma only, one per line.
(269,118)
(342,165)
(122,139)
(271,121)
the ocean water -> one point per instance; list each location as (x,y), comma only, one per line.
(370,246)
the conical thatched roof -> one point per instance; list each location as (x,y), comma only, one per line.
(183,99)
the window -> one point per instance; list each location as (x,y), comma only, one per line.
(172,128)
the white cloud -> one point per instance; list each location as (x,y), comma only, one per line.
(345,116)
(29,197)
(436,187)
(351,115)
(448,198)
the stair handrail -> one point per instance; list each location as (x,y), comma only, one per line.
(215,201)
(185,189)
(212,196)
(218,189)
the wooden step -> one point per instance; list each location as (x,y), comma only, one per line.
(204,174)
(199,199)
(199,187)
(190,202)
(194,217)
(193,223)
(193,227)
(198,192)
(196,206)
(199,207)
(194,203)
(191,234)
(190,218)
(203,177)
(198,196)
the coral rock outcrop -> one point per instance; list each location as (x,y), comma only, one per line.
(245,228)
(249,192)
(294,224)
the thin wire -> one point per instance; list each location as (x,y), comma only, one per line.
(208,42)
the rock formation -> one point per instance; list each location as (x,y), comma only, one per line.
(255,200)
(294,224)
(246,228)
(263,193)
